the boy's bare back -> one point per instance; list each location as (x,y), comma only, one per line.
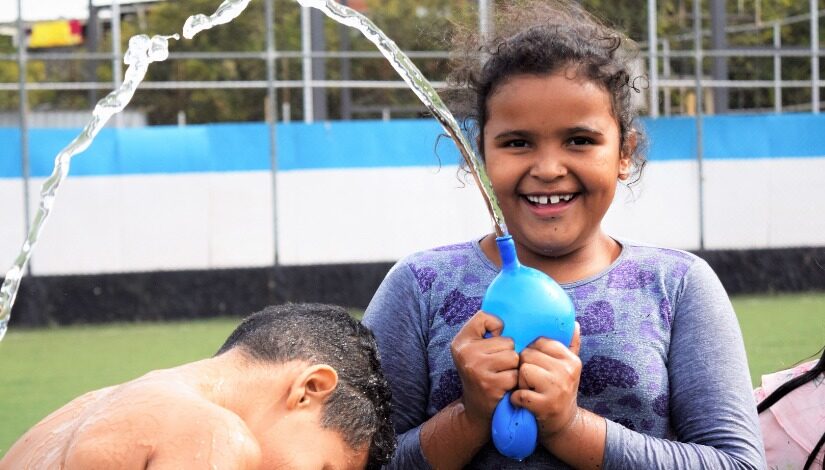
(160,420)
(265,400)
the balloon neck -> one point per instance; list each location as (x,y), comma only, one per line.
(507,251)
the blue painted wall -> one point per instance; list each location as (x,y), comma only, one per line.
(369,144)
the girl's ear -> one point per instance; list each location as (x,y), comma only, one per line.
(312,386)
(625,160)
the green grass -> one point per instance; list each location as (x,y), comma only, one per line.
(42,369)
(780,331)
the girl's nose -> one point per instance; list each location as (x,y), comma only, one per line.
(548,166)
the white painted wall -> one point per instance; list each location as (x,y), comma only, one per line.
(220,220)
(339,216)
(12,223)
(661,208)
(778,202)
(158,222)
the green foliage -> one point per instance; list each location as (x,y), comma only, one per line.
(421,25)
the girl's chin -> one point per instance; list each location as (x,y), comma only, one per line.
(547,249)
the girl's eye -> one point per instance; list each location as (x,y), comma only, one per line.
(517,143)
(580,140)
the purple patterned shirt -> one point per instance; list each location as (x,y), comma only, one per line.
(662,357)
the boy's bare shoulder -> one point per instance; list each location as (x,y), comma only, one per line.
(205,435)
(161,424)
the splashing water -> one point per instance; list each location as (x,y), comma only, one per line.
(143,51)
(228,11)
(423,89)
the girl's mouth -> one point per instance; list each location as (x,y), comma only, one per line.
(552,199)
(549,205)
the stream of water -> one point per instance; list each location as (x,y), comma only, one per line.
(144,50)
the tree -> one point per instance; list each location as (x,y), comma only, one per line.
(420,25)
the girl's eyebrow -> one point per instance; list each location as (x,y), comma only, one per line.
(513,133)
(589,130)
(521,134)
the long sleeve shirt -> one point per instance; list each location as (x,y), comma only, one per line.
(662,357)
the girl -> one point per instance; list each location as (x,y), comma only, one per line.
(656,376)
(792,416)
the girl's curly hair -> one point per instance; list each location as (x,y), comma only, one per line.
(541,37)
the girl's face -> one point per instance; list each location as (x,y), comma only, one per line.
(552,150)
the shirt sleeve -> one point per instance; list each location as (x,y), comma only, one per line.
(399,322)
(712,409)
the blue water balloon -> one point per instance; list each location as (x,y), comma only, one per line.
(531,305)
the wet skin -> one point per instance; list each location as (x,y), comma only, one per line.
(223,412)
(555,136)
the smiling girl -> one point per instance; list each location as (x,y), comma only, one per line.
(656,375)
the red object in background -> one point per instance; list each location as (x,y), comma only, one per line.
(358,5)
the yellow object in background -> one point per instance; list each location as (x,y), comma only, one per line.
(59,33)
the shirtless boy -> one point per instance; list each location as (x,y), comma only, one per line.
(295,386)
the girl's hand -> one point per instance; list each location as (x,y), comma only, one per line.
(548,381)
(488,367)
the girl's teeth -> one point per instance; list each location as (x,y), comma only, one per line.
(553,199)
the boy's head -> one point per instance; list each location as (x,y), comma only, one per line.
(358,406)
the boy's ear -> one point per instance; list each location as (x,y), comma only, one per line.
(625,160)
(312,386)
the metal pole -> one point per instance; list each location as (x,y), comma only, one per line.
(718,21)
(117,60)
(653,72)
(697,45)
(24,118)
(306,46)
(346,65)
(814,56)
(92,33)
(666,73)
(272,118)
(484,18)
(777,68)
(319,67)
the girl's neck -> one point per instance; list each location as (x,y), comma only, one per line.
(580,263)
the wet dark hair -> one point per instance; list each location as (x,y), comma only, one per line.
(541,38)
(788,387)
(359,407)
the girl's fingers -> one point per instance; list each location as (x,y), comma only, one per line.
(526,399)
(509,380)
(477,327)
(533,377)
(544,349)
(505,360)
(497,344)
(576,342)
(488,324)
(539,371)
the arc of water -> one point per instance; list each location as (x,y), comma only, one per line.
(422,89)
(142,51)
(226,12)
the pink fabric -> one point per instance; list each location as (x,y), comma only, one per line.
(793,425)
